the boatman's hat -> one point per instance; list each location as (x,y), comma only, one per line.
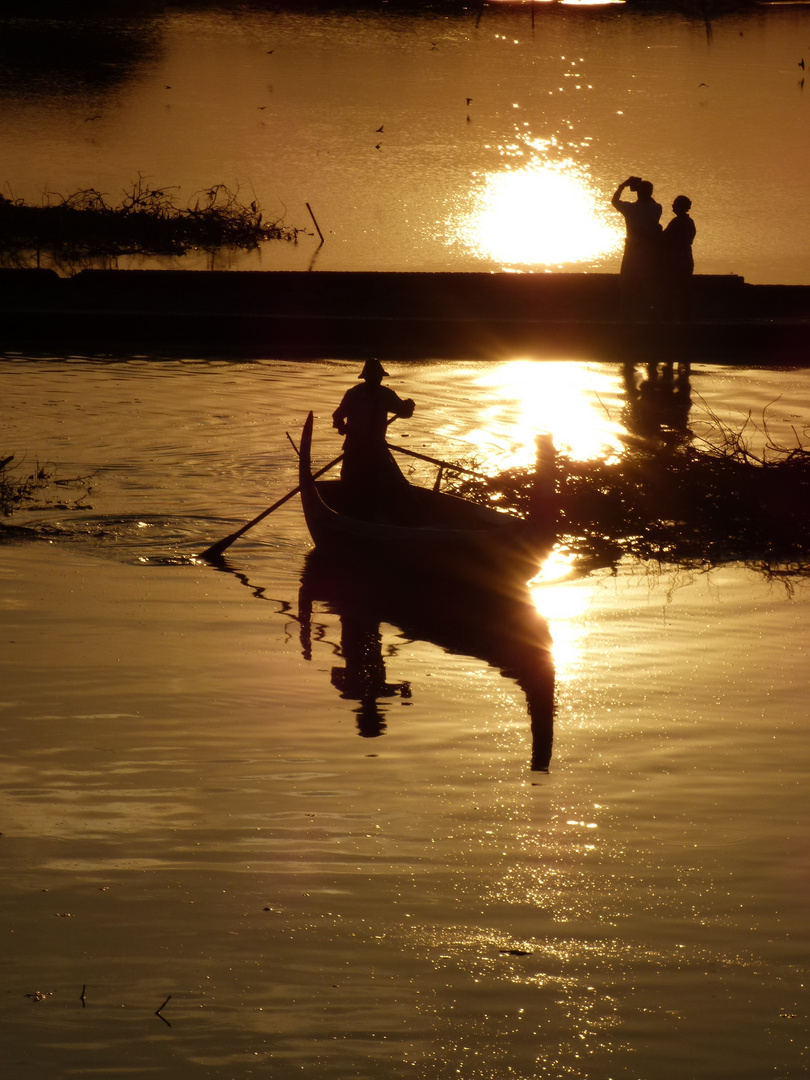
(372,369)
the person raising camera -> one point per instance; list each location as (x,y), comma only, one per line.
(639,268)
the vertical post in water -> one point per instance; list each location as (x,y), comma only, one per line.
(543,499)
(317,226)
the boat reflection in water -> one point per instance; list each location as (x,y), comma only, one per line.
(504,629)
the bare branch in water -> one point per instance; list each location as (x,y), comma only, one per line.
(695,503)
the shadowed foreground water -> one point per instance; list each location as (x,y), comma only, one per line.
(197,815)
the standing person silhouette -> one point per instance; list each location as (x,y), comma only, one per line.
(371,478)
(677,262)
(642,220)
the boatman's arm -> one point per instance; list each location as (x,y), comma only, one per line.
(339,418)
(402,407)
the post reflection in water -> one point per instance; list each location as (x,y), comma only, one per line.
(503,629)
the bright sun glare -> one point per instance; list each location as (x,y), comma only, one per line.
(571,3)
(572,402)
(565,604)
(545,214)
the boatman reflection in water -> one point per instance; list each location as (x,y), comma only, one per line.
(364,678)
(371,479)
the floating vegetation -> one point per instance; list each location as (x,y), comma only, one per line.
(18,490)
(21,486)
(693,501)
(147,221)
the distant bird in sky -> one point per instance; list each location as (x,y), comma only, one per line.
(801,63)
(469,102)
(270,52)
(703,84)
(433,45)
(89,118)
(167,87)
(377,146)
(379,128)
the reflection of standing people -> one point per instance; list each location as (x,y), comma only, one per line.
(642,219)
(658,407)
(677,263)
(369,473)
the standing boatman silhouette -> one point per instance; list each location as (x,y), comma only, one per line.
(371,478)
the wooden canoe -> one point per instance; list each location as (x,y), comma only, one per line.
(437,533)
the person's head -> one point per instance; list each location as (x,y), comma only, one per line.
(373,371)
(645,190)
(681,205)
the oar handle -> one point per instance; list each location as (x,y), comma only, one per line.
(263,514)
(285,498)
(435,461)
(220,546)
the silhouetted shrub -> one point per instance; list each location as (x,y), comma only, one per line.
(147,221)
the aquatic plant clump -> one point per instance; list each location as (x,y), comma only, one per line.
(680,503)
(147,221)
(24,487)
(17,490)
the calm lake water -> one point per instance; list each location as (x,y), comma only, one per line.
(198,817)
(483,140)
(191,808)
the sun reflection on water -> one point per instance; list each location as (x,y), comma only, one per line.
(580,406)
(569,401)
(590,3)
(565,3)
(563,603)
(544,214)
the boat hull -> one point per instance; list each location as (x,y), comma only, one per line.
(441,534)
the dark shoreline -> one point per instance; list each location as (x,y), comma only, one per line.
(293,314)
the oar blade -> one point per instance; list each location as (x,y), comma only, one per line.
(217,550)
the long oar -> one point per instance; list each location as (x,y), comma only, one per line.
(217,549)
(435,461)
